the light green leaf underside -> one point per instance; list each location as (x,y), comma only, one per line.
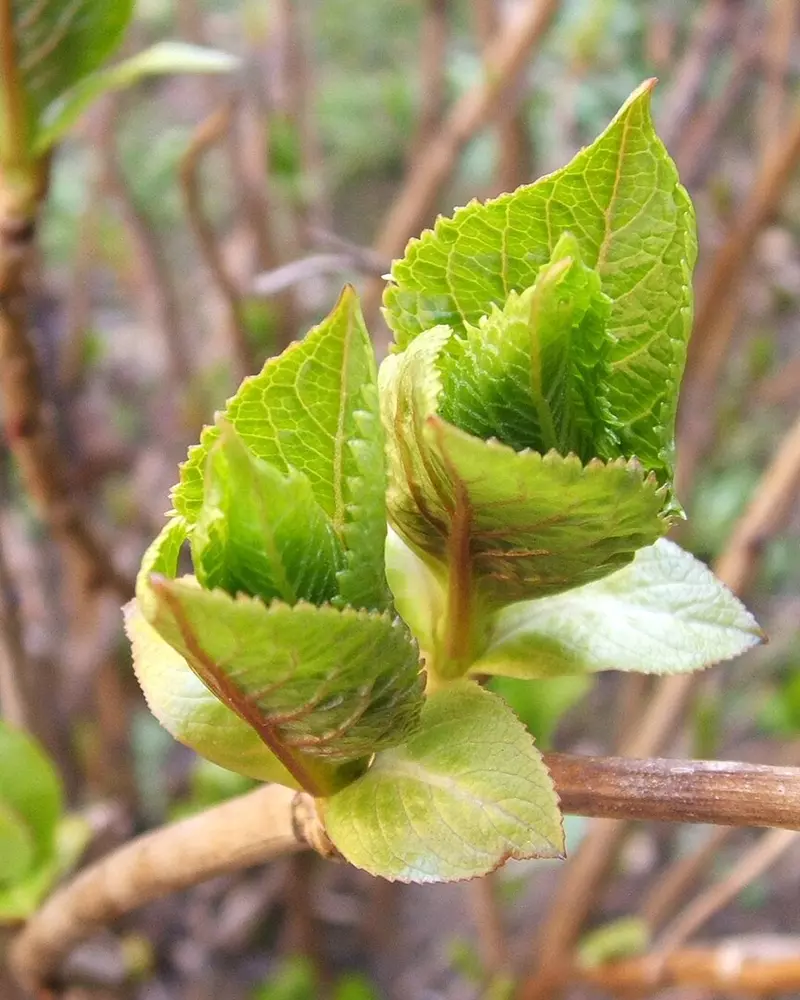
(418,594)
(621,199)
(190,712)
(17,849)
(30,789)
(327,683)
(160,59)
(517,525)
(315,409)
(261,532)
(664,613)
(58,42)
(465,793)
(534,373)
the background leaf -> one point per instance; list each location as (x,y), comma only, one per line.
(59,42)
(328,683)
(315,409)
(664,613)
(16,845)
(160,59)
(465,793)
(634,224)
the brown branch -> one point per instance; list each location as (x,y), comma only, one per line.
(209,133)
(780,33)
(434,32)
(487,915)
(265,824)
(415,203)
(587,869)
(274,820)
(726,970)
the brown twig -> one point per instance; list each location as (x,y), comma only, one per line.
(726,969)
(762,855)
(274,820)
(434,33)
(716,318)
(780,33)
(260,826)
(207,134)
(487,916)
(588,867)
(416,200)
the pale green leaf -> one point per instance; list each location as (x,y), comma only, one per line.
(417,591)
(315,409)
(30,788)
(59,42)
(261,532)
(534,373)
(320,682)
(160,59)
(17,849)
(465,793)
(664,613)
(191,713)
(499,526)
(621,200)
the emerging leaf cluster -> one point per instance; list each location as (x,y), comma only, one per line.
(518,443)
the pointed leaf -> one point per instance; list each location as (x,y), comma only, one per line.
(30,788)
(326,683)
(191,713)
(260,532)
(534,373)
(634,224)
(664,613)
(315,409)
(465,793)
(501,526)
(158,60)
(58,42)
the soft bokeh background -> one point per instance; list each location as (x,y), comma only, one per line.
(152,305)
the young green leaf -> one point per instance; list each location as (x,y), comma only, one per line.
(315,409)
(664,613)
(260,532)
(175,694)
(534,374)
(465,793)
(419,596)
(30,791)
(634,224)
(16,846)
(314,682)
(57,43)
(160,59)
(501,526)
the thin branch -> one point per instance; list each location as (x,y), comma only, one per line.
(587,869)
(487,915)
(416,201)
(317,265)
(274,820)
(781,32)
(267,823)
(727,969)
(434,32)
(761,856)
(209,133)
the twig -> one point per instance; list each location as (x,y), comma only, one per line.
(488,918)
(781,32)
(297,271)
(265,824)
(206,135)
(715,320)
(415,203)
(20,699)
(664,896)
(434,33)
(726,969)
(273,820)
(769,849)
(588,867)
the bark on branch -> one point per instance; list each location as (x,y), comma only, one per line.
(274,820)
